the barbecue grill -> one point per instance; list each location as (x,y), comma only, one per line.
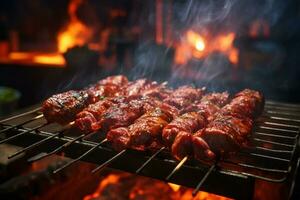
(273,153)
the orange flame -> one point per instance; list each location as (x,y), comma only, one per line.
(198,46)
(76,33)
(145,188)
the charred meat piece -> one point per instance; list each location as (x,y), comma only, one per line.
(88,119)
(184,96)
(145,132)
(188,122)
(121,115)
(232,125)
(218,99)
(136,87)
(201,150)
(227,133)
(62,108)
(187,144)
(247,103)
(207,108)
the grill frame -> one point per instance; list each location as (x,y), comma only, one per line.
(190,173)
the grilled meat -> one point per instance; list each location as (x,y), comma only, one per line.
(145,131)
(184,96)
(62,108)
(189,122)
(145,115)
(226,133)
(120,111)
(231,126)
(181,138)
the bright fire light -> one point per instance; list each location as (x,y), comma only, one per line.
(199,46)
(53,59)
(76,33)
(196,40)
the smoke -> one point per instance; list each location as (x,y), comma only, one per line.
(213,16)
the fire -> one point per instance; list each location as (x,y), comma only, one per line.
(195,40)
(127,186)
(199,46)
(76,33)
(53,59)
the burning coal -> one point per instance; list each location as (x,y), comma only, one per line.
(126,186)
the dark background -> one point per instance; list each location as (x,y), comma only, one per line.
(38,22)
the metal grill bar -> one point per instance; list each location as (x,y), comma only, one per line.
(21,124)
(20,115)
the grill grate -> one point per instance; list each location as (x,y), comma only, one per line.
(271,156)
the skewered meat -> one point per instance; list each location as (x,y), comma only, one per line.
(231,126)
(247,103)
(88,119)
(182,139)
(187,144)
(117,112)
(226,133)
(189,122)
(121,115)
(62,108)
(184,96)
(145,115)
(145,131)
(218,99)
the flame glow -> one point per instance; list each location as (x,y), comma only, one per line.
(133,187)
(76,33)
(198,46)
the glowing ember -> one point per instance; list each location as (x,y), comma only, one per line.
(76,33)
(198,46)
(195,40)
(132,187)
(53,59)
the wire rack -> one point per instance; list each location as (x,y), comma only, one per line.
(272,153)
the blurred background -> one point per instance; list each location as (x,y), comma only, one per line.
(48,46)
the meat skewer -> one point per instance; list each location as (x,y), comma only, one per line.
(146,131)
(62,108)
(184,96)
(146,115)
(178,134)
(115,112)
(232,125)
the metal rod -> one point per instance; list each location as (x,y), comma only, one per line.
(79,157)
(60,148)
(35,144)
(282,104)
(275,143)
(283,113)
(24,132)
(279,129)
(109,161)
(21,124)
(149,160)
(178,166)
(196,190)
(284,119)
(20,115)
(269,157)
(280,124)
(275,135)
